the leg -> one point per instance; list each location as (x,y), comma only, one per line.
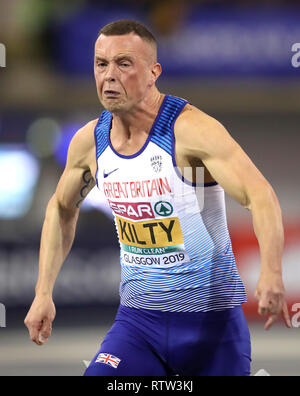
(210,344)
(231,355)
(229,359)
(137,358)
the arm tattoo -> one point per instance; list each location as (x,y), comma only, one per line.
(88,184)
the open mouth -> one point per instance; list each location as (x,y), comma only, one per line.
(111,93)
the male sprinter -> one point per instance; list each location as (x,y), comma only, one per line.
(181,294)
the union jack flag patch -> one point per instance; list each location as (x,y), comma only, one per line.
(106,358)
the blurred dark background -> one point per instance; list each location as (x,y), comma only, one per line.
(232,59)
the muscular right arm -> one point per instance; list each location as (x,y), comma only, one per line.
(59,229)
(60,224)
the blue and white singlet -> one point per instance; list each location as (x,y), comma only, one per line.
(176,252)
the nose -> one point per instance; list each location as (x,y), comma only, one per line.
(110,74)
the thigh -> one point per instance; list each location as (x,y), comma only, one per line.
(212,344)
(228,359)
(124,352)
(230,355)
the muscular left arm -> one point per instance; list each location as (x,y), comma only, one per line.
(203,137)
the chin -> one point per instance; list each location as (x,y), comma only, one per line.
(114,107)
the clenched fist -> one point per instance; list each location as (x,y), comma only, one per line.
(39,319)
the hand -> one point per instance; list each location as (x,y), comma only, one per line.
(39,319)
(270,294)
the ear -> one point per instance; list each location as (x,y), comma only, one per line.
(156,71)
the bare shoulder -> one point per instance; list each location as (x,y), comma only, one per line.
(192,118)
(82,145)
(196,130)
(84,137)
(77,179)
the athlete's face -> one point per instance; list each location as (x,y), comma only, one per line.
(125,68)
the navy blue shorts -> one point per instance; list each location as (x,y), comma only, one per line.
(145,342)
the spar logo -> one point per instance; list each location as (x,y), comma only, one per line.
(133,210)
(163,208)
(141,210)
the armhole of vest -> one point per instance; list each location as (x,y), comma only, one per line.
(179,110)
(96,146)
(181,177)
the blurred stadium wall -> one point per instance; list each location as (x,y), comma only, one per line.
(234,62)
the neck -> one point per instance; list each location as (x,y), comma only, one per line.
(141,117)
